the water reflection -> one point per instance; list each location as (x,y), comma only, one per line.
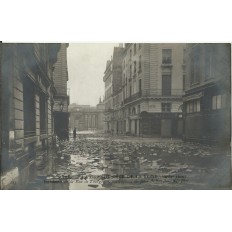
(99,163)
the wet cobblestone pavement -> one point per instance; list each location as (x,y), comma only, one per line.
(98,162)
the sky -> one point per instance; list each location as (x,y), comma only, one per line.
(86,66)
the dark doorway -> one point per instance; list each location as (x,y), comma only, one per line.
(166,128)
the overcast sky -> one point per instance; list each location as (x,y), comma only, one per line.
(86,66)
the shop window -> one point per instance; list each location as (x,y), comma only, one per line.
(193,106)
(198,106)
(218,102)
(223,100)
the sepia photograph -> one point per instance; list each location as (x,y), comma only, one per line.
(115,116)
(131,97)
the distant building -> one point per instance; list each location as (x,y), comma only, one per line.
(207,96)
(27,99)
(87,118)
(113,87)
(100,115)
(61,98)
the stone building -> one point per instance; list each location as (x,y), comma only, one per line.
(61,98)
(27,102)
(113,86)
(149,100)
(87,118)
(207,93)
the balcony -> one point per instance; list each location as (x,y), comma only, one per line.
(133,97)
(29,133)
(156,93)
(62,91)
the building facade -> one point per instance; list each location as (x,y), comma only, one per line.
(27,100)
(61,98)
(113,87)
(207,93)
(148,103)
(87,118)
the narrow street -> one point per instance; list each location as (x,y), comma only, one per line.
(95,161)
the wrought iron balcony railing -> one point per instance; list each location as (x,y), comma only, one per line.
(62,91)
(29,133)
(42,132)
(171,93)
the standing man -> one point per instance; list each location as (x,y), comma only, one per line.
(75,133)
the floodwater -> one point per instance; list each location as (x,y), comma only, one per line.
(95,162)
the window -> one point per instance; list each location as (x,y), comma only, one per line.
(134,67)
(210,60)
(108,81)
(223,100)
(198,106)
(218,102)
(140,63)
(166,85)
(193,106)
(134,48)
(108,93)
(187,108)
(43,116)
(140,45)
(133,111)
(37,51)
(183,81)
(166,56)
(130,53)
(184,56)
(196,65)
(140,87)
(130,70)
(166,107)
(29,108)
(124,64)
(138,109)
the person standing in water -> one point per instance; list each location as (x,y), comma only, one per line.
(75,133)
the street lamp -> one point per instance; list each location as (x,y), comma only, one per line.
(61,106)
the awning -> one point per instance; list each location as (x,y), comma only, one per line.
(193,96)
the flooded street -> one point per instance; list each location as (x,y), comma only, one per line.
(99,162)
